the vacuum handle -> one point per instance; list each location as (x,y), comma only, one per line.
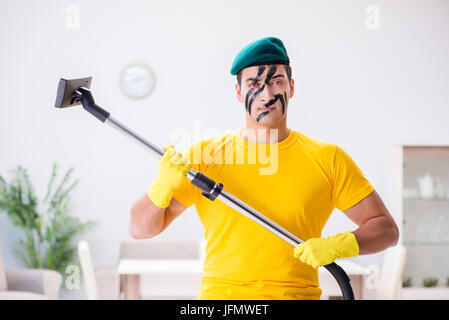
(88,102)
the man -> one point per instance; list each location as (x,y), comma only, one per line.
(309,179)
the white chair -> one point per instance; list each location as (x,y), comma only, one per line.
(100,283)
(391,274)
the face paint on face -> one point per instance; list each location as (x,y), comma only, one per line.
(271,102)
(250,92)
(250,97)
(284,102)
(270,74)
(268,104)
(263,114)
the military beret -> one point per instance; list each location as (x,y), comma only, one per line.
(269,50)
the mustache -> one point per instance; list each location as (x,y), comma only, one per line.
(273,101)
(277,97)
(280,97)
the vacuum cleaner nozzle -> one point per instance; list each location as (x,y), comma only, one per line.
(66,91)
(75,92)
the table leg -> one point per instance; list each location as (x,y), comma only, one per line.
(131,287)
(357,286)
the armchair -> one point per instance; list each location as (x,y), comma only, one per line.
(28,284)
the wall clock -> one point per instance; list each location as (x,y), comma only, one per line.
(137,81)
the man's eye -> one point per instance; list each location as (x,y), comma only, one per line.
(254,84)
(276,83)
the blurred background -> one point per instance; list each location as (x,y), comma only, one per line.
(370,76)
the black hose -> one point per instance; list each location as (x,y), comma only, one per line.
(342,279)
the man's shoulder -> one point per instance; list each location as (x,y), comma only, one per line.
(315,145)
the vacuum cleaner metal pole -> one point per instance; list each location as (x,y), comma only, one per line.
(224,196)
(73,92)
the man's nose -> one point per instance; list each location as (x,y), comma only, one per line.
(266,94)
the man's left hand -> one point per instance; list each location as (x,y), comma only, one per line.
(317,252)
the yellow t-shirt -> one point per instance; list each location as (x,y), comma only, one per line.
(296,183)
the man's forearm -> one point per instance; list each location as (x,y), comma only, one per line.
(376,234)
(147,219)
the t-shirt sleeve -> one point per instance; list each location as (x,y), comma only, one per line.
(187,194)
(349,183)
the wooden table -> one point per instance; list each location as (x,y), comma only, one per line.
(131,270)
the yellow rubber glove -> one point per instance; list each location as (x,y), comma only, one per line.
(317,252)
(173,168)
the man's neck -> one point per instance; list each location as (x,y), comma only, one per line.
(263,134)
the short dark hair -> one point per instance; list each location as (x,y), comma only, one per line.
(288,69)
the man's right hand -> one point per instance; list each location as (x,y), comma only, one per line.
(173,168)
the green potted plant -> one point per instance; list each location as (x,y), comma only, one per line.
(407,282)
(49,229)
(430,282)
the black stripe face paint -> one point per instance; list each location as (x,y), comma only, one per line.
(260,116)
(270,74)
(250,92)
(280,97)
(273,101)
(282,101)
(269,103)
(250,97)
(285,101)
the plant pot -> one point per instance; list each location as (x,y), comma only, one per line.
(407,282)
(430,282)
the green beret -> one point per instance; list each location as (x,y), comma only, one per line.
(269,50)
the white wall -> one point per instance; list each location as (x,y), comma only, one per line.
(361,88)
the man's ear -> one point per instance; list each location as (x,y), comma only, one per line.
(238,92)
(292,88)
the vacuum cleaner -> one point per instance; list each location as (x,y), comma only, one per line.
(76,92)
